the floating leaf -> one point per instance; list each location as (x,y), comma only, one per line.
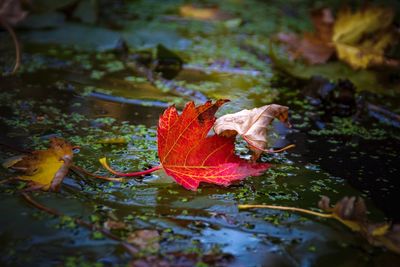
(190,156)
(251,125)
(46,168)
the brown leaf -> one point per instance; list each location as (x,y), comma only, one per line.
(145,239)
(352,212)
(251,125)
(46,168)
(314,48)
(359,38)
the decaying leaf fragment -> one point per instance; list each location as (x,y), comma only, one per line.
(45,169)
(352,212)
(251,125)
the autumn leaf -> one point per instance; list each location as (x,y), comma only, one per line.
(314,47)
(251,125)
(190,156)
(361,37)
(45,169)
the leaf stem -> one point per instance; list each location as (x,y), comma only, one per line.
(104,163)
(267,150)
(132,250)
(314,213)
(82,170)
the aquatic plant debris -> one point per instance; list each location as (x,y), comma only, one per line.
(352,212)
(359,38)
(190,156)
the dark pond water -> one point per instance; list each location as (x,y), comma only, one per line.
(87,87)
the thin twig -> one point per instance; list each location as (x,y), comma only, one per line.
(11,31)
(314,213)
(267,150)
(132,250)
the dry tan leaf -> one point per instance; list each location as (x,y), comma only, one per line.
(46,168)
(361,37)
(251,125)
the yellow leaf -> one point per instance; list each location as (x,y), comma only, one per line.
(43,166)
(360,38)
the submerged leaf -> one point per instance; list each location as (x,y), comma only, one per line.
(251,125)
(352,212)
(190,156)
(46,168)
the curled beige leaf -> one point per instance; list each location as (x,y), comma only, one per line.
(252,125)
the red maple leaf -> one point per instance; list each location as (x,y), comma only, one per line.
(190,156)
